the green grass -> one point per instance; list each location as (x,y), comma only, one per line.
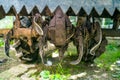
(45,75)
(71,50)
(1,42)
(109,57)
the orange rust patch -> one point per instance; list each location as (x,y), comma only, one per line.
(4,31)
(24,32)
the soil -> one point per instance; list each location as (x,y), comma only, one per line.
(84,71)
(81,71)
(6,62)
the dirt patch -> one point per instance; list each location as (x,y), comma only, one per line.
(7,62)
(81,71)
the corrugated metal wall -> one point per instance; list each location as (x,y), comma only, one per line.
(97,8)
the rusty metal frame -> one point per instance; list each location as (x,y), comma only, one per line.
(94,8)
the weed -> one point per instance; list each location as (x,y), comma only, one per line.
(45,75)
(1,42)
